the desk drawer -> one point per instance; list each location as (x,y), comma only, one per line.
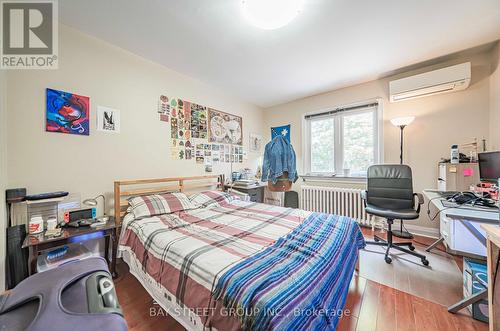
(446,230)
(469,237)
(256,194)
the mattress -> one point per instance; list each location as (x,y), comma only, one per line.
(181,258)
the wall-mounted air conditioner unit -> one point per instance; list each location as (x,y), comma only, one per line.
(449,79)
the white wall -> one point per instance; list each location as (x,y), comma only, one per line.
(112,77)
(3,177)
(495,99)
(441,120)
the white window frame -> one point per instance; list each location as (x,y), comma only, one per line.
(338,128)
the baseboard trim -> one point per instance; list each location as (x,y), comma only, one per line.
(423,231)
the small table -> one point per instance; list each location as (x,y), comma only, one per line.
(493,235)
(256,192)
(38,243)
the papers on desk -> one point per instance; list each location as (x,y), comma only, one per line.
(450,204)
(246,182)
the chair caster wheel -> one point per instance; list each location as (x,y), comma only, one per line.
(411,247)
(388,260)
(425,262)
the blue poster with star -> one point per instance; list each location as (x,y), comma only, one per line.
(282,130)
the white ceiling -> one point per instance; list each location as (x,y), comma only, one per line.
(329,45)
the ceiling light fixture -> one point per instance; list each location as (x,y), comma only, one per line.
(270,14)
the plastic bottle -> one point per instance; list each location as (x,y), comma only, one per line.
(454,154)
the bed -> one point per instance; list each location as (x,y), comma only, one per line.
(219,263)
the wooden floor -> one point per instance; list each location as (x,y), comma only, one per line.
(440,282)
(369,306)
(373,306)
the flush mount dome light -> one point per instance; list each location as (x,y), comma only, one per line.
(270,14)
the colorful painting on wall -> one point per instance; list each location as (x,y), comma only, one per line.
(224,128)
(67,113)
(283,130)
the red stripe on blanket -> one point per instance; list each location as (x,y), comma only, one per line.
(288,217)
(251,211)
(174,204)
(227,229)
(203,239)
(151,208)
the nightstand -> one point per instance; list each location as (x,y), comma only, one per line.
(39,243)
(256,192)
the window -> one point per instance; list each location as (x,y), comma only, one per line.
(344,138)
(323,146)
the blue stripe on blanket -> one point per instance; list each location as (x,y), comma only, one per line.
(300,282)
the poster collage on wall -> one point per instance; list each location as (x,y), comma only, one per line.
(201,134)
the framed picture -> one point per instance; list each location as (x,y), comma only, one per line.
(67,113)
(255,142)
(108,119)
(224,128)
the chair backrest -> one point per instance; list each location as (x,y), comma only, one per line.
(390,186)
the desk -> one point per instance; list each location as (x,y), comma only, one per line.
(460,227)
(493,235)
(38,243)
(256,192)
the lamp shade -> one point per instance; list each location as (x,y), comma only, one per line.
(402,121)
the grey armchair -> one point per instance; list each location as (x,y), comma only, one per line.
(390,195)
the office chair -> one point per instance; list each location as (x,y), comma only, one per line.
(390,195)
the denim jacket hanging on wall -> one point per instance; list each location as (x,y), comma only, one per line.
(279,157)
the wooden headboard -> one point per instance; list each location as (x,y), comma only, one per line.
(125,189)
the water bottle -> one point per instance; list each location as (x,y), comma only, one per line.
(455,158)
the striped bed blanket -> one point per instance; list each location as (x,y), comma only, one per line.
(183,256)
(298,283)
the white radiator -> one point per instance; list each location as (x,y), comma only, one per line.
(335,200)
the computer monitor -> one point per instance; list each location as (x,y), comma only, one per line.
(489,166)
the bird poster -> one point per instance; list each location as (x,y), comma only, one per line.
(108,119)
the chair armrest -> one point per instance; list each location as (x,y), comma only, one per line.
(420,200)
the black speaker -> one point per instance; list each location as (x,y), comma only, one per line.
(17,258)
(15,195)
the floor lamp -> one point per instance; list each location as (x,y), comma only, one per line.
(401,123)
